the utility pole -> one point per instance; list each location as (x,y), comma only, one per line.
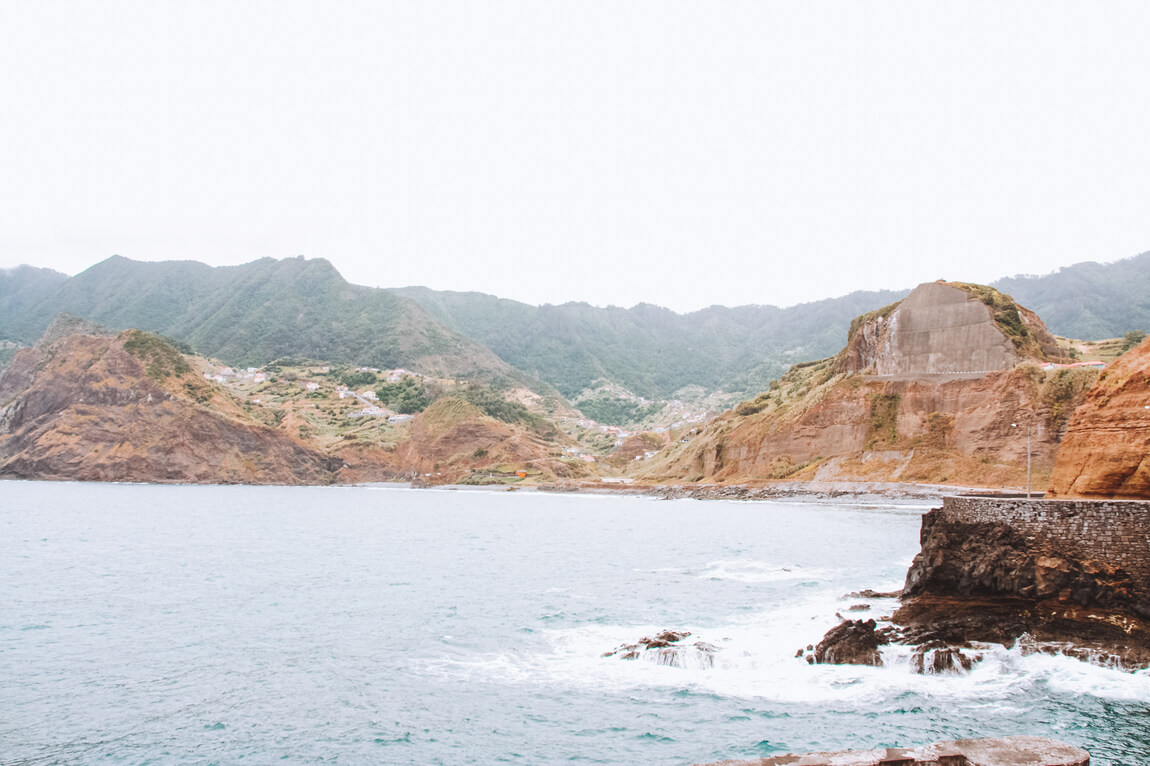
(1015,425)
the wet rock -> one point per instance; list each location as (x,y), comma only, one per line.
(667,648)
(851,642)
(666,638)
(939,659)
(858,608)
(984,581)
(868,593)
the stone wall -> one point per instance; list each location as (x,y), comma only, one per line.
(1116,532)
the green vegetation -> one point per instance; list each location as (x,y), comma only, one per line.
(754,406)
(252,314)
(492,403)
(1132,339)
(1060,389)
(648,350)
(862,319)
(883,425)
(1088,300)
(160,357)
(1005,312)
(617,411)
(406,396)
(359,380)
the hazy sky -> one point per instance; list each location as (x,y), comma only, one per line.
(678,153)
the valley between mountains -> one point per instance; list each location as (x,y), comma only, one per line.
(282,372)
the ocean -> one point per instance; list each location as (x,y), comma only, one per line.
(144,624)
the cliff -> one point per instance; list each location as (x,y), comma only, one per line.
(128,407)
(1055,571)
(926,390)
(1106,451)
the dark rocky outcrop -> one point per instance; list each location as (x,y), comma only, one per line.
(851,642)
(668,648)
(936,658)
(1057,573)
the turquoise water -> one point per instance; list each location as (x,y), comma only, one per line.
(157,624)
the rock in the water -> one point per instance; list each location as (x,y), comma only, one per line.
(868,593)
(666,648)
(852,642)
(934,659)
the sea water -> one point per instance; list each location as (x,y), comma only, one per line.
(187,624)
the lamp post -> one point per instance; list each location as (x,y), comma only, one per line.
(1015,425)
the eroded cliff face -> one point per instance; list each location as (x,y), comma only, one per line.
(930,390)
(947,329)
(1106,451)
(1050,571)
(937,329)
(85,408)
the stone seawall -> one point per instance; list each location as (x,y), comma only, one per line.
(1116,532)
(1062,573)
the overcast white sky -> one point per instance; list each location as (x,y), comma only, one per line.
(683,154)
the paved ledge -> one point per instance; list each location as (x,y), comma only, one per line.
(1007,751)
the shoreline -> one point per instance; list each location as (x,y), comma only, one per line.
(852,492)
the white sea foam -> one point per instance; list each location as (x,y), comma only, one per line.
(755,659)
(745,570)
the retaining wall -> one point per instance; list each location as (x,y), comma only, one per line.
(1116,532)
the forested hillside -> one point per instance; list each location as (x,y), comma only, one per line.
(649,350)
(1089,301)
(260,311)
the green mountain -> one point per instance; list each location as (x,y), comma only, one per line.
(260,311)
(1088,301)
(651,351)
(20,289)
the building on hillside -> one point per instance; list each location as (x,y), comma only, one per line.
(371,412)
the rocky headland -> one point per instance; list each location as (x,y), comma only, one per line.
(129,407)
(1069,573)
(932,389)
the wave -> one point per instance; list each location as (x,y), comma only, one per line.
(755,659)
(744,570)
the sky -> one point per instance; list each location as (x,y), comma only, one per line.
(677,153)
